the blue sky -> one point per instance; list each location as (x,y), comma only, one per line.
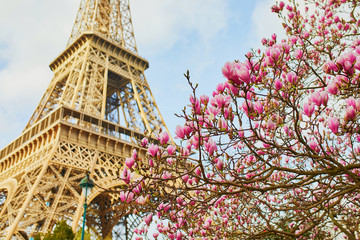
(173,35)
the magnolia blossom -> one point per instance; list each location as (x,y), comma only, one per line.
(171,149)
(180,132)
(309,109)
(278,84)
(259,107)
(291,77)
(210,146)
(153,149)
(126,196)
(333,88)
(220,101)
(163,137)
(148,219)
(141,200)
(334,124)
(129,162)
(350,113)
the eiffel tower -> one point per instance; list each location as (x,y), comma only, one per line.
(91,117)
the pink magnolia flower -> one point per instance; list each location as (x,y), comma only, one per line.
(166,175)
(354,103)
(192,99)
(134,154)
(129,162)
(122,196)
(141,200)
(130,197)
(333,124)
(324,98)
(163,137)
(250,94)
(275,9)
(170,161)
(220,101)
(144,142)
(212,110)
(222,124)
(243,74)
(171,149)
(164,207)
(333,88)
(180,200)
(148,219)
(247,107)
(274,36)
(196,107)
(204,99)
(314,146)
(228,70)
(171,235)
(347,61)
(357,64)
(333,66)
(180,132)
(259,107)
(278,84)
(185,152)
(179,235)
(228,114)
(220,87)
(185,178)
(155,235)
(126,175)
(271,125)
(219,164)
(316,98)
(330,66)
(340,79)
(151,162)
(198,171)
(350,113)
(336,19)
(308,109)
(137,189)
(291,15)
(153,150)
(234,89)
(281,5)
(210,146)
(273,55)
(298,54)
(187,130)
(126,197)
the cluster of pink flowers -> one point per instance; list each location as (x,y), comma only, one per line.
(275,147)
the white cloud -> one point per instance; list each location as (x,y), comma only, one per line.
(160,24)
(266,22)
(33,33)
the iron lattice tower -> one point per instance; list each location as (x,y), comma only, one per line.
(89,119)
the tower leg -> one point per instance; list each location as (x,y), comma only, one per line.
(77,215)
(13,226)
